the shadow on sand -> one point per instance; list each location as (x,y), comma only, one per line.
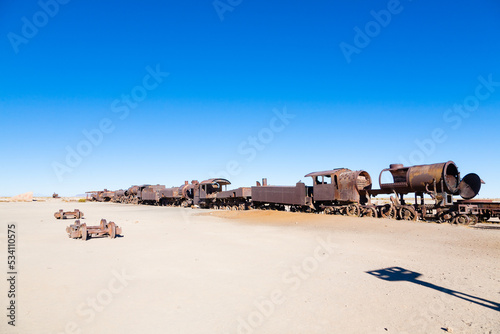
(395,274)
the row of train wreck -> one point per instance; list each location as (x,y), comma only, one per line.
(337,191)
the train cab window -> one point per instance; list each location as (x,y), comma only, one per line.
(321,179)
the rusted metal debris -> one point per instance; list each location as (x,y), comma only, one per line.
(78,230)
(54,195)
(100,196)
(76,214)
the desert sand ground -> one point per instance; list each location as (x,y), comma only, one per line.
(193,271)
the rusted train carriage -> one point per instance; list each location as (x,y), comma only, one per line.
(213,193)
(100,196)
(151,194)
(178,196)
(343,191)
(334,191)
(119,196)
(476,210)
(234,199)
(337,191)
(298,197)
(205,193)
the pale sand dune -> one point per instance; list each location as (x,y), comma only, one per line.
(194,271)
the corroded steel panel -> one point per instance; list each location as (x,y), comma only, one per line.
(243,192)
(286,195)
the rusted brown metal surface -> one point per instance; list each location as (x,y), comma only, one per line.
(343,191)
(78,230)
(118,196)
(101,195)
(299,195)
(178,196)
(91,195)
(234,199)
(186,192)
(213,193)
(133,195)
(434,179)
(207,190)
(440,181)
(105,196)
(169,196)
(151,194)
(61,214)
(243,192)
(341,185)
(482,209)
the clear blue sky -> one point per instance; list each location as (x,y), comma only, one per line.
(365,82)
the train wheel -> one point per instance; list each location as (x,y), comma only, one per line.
(473,219)
(103,224)
(83,230)
(370,212)
(407,213)
(462,220)
(388,211)
(353,210)
(445,218)
(242,206)
(112,230)
(328,211)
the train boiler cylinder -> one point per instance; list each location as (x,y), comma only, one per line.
(440,178)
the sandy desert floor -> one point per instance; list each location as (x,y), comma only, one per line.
(194,271)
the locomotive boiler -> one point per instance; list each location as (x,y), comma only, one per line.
(440,181)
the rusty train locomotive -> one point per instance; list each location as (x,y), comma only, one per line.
(337,191)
